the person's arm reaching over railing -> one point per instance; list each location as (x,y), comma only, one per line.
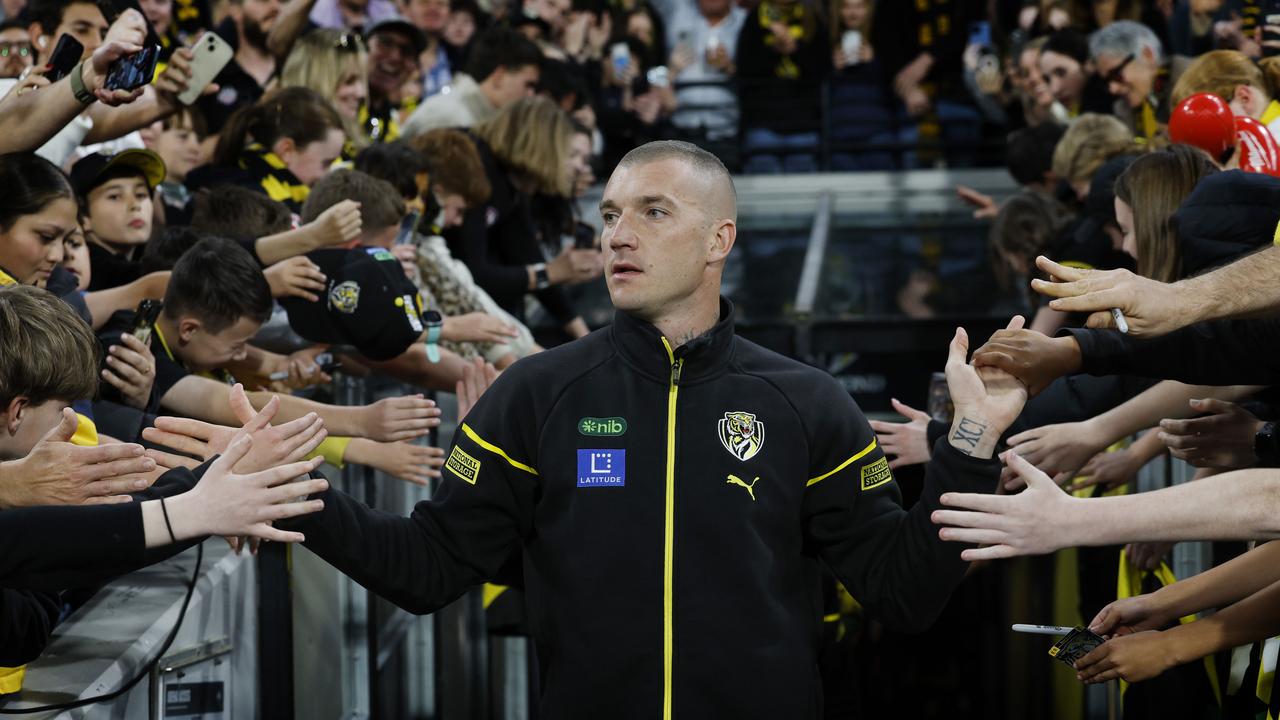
(1240,505)
(1146,654)
(1063,449)
(1248,286)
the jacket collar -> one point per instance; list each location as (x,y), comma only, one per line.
(706,356)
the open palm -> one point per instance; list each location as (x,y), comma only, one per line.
(985,392)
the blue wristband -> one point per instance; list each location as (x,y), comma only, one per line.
(433,340)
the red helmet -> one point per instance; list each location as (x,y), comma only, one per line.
(1205,121)
(1259,151)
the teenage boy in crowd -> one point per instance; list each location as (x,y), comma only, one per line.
(368,302)
(216,301)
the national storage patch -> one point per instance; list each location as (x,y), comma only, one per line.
(876,474)
(463,465)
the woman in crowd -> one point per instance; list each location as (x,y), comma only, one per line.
(335,64)
(1147,195)
(279,146)
(1064,65)
(782,58)
(1090,141)
(525,151)
(1248,87)
(861,109)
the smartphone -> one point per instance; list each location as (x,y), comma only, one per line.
(133,71)
(980,34)
(584,237)
(851,45)
(65,56)
(620,56)
(408,226)
(212,53)
(144,318)
(325,362)
(658,76)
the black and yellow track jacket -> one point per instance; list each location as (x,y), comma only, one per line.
(672,505)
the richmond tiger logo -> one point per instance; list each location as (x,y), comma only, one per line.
(741,434)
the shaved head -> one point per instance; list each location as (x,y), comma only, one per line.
(720,197)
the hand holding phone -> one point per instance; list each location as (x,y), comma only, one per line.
(65,56)
(209,55)
(144,319)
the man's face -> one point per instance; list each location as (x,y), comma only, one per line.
(1129,77)
(82,21)
(26,424)
(1065,76)
(390,58)
(660,237)
(510,85)
(257,17)
(120,211)
(429,15)
(159,13)
(202,351)
(16,53)
(32,246)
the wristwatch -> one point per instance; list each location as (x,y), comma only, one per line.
(77,85)
(433,321)
(1264,446)
(541,281)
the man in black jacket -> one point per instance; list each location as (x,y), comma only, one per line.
(672,487)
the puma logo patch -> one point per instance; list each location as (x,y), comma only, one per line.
(735,480)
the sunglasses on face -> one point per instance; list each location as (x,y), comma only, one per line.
(1115,74)
(349,42)
(20,49)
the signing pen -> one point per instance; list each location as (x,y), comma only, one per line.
(1121,324)
(1042,629)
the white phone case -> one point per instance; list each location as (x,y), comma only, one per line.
(212,53)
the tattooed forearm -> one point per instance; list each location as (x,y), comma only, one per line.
(967,433)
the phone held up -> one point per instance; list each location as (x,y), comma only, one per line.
(145,319)
(65,56)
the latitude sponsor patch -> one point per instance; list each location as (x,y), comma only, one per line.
(599,467)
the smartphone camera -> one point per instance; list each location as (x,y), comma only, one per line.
(133,71)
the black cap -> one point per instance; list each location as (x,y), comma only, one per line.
(1100,203)
(86,173)
(398,24)
(368,304)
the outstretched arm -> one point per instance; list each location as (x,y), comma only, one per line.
(890,558)
(1240,505)
(1244,288)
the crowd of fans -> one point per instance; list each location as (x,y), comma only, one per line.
(387,186)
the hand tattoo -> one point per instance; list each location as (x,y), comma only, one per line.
(968,433)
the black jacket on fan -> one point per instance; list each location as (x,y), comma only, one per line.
(671,507)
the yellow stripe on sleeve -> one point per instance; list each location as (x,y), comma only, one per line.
(496,450)
(857,456)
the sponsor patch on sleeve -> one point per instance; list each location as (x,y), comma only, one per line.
(876,474)
(462,465)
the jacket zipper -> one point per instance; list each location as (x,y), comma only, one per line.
(668,564)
